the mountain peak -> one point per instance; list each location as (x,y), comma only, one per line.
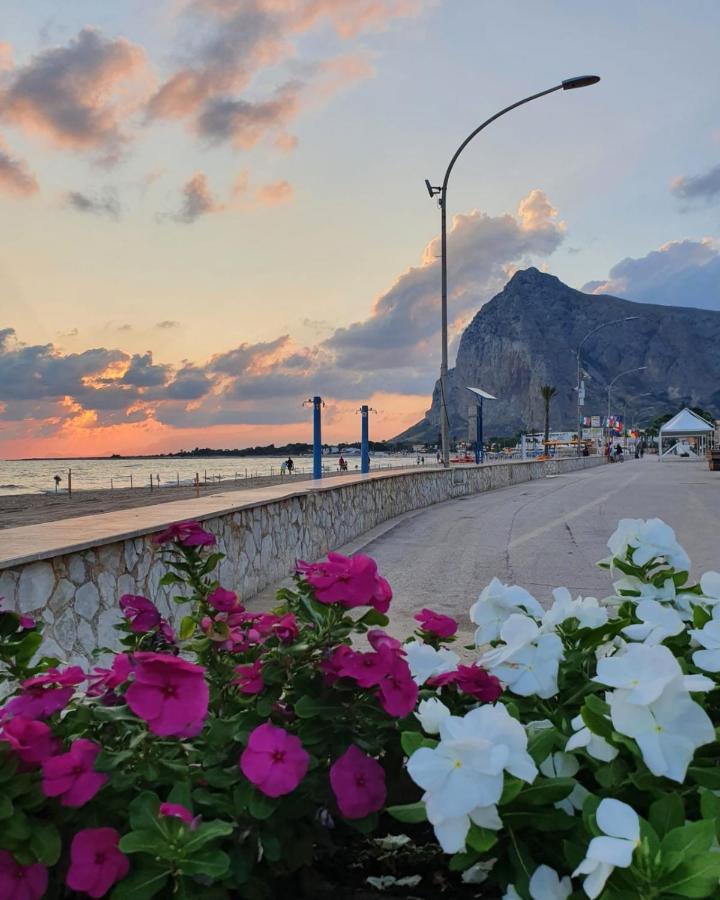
(531,277)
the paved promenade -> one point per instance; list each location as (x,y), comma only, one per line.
(541,535)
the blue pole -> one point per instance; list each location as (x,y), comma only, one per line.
(477,434)
(317,437)
(364,445)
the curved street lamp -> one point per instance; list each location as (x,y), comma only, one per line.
(567,85)
(579,369)
(617,377)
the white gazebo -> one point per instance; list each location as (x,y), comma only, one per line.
(677,432)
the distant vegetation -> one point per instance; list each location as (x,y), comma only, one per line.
(298,449)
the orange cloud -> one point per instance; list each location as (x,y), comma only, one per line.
(6,56)
(274,193)
(15,176)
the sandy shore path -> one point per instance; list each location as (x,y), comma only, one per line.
(32,509)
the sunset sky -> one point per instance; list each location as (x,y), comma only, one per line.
(212,209)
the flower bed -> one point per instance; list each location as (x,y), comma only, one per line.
(308,753)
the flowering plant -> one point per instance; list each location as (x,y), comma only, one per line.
(250,754)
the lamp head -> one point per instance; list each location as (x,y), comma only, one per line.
(579,81)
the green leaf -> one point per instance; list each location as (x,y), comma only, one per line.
(141,884)
(145,841)
(698,877)
(546,792)
(706,777)
(143,812)
(686,841)
(170,578)
(207,832)
(373,617)
(481,839)
(211,863)
(710,808)
(6,807)
(611,774)
(260,806)
(413,740)
(187,628)
(45,842)
(667,813)
(308,708)
(408,812)
(511,788)
(461,861)
(182,794)
(594,717)
(541,745)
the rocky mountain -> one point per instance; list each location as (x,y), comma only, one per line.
(528,334)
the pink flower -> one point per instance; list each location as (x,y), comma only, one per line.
(103,681)
(367,669)
(472,680)
(274,760)
(96,863)
(358,782)
(379,640)
(286,628)
(21,882)
(142,613)
(45,694)
(350,581)
(170,693)
(178,811)
(71,776)
(189,534)
(250,678)
(32,741)
(437,624)
(223,600)
(397,691)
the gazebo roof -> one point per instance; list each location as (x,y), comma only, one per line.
(686,422)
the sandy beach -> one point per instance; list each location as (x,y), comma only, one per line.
(32,509)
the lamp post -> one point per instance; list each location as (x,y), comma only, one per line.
(580,397)
(567,85)
(616,378)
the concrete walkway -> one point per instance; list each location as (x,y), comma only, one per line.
(541,535)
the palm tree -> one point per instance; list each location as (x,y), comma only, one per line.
(547,392)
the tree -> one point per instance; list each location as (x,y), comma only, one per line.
(547,392)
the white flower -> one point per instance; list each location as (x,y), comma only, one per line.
(708,637)
(479,872)
(496,602)
(647,540)
(668,730)
(633,588)
(593,744)
(511,893)
(710,585)
(425,661)
(641,670)
(463,776)
(430,714)
(528,662)
(621,829)
(658,623)
(610,648)
(546,884)
(586,610)
(565,765)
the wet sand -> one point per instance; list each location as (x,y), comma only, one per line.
(32,509)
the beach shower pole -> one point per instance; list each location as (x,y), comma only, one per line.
(364,442)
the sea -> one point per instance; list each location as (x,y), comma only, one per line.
(37,476)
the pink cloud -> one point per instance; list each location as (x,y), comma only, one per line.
(274,193)
(78,95)
(198,200)
(6,56)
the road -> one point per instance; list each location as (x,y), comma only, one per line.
(540,535)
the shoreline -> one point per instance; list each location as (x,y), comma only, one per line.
(17,510)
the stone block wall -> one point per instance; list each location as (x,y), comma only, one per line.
(76,595)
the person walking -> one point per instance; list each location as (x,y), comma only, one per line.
(290,465)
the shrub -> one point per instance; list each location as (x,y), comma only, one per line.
(255,754)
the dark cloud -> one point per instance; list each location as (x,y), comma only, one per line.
(679,273)
(198,200)
(167,324)
(106,204)
(15,177)
(69,94)
(238,360)
(189,383)
(699,187)
(143,373)
(244,123)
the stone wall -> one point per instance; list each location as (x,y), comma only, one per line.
(76,594)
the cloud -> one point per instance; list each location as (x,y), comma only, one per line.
(15,177)
(167,324)
(274,193)
(143,373)
(77,96)
(698,187)
(106,204)
(679,273)
(482,249)
(198,200)
(6,56)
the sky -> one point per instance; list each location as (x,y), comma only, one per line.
(211,210)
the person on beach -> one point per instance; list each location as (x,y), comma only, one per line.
(290,465)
